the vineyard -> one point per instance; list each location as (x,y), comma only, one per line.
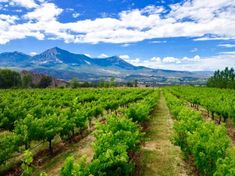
(117,131)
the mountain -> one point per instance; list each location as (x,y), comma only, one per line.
(113,62)
(63,64)
(56,55)
(14,59)
(59,56)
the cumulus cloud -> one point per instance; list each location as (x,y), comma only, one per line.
(203,20)
(171,60)
(46,12)
(76,14)
(156,59)
(33,53)
(125,57)
(22,3)
(8,19)
(103,55)
(195,63)
(227,45)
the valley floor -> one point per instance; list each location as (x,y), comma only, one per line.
(159,157)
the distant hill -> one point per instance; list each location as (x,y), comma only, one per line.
(65,65)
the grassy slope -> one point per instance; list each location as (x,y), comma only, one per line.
(159,156)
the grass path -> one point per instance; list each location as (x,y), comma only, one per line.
(159,157)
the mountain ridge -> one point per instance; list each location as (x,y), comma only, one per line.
(56,60)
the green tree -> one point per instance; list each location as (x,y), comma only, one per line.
(9,79)
(222,79)
(112,82)
(136,83)
(45,82)
(27,81)
(74,83)
(103,83)
(129,84)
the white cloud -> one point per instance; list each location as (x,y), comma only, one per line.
(19,10)
(69,9)
(46,12)
(76,14)
(8,19)
(196,58)
(227,45)
(151,9)
(22,3)
(195,63)
(104,15)
(228,53)
(137,62)
(194,50)
(156,59)
(40,25)
(33,53)
(125,57)
(158,41)
(88,55)
(103,55)
(171,60)
(125,44)
(203,20)
(212,38)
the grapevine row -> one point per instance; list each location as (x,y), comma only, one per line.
(216,101)
(117,140)
(60,116)
(206,142)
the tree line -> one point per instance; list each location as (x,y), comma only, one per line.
(13,79)
(75,83)
(222,79)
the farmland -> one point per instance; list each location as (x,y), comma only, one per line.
(177,130)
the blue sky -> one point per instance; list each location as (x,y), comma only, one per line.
(170,34)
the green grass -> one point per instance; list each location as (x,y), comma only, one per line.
(158,155)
